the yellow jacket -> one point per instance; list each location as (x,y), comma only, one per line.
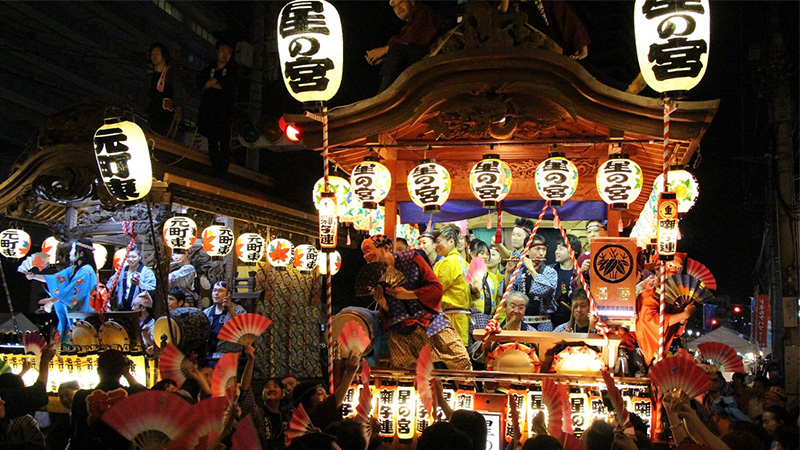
(456,295)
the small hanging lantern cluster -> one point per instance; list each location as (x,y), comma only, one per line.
(328,223)
(14,243)
(180,233)
(490,180)
(556,178)
(370,182)
(322,262)
(217,241)
(619,181)
(429,185)
(280,253)
(250,248)
(305,258)
(123,158)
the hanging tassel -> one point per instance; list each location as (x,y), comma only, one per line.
(498,234)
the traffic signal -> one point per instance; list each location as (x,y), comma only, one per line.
(714,322)
(292,133)
(737,309)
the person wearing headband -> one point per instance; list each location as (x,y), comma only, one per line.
(413,310)
(451,272)
(538,282)
(519,237)
(428,249)
(219,314)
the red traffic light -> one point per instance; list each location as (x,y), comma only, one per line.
(737,309)
(292,133)
(714,322)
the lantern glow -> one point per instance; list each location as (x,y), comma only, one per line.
(667,225)
(370,182)
(322,262)
(49,247)
(217,241)
(180,233)
(310,49)
(123,158)
(429,185)
(406,411)
(305,258)
(14,243)
(340,188)
(328,223)
(683,184)
(490,180)
(250,248)
(100,254)
(387,411)
(619,181)
(280,253)
(556,179)
(119,258)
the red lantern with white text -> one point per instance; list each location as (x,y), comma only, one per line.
(14,243)
(123,158)
(180,233)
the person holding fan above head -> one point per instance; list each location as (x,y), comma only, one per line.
(71,288)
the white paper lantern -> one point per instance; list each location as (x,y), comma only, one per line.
(217,241)
(619,181)
(49,248)
(322,262)
(180,233)
(123,158)
(556,179)
(250,248)
(683,184)
(14,243)
(328,223)
(310,49)
(340,188)
(280,253)
(429,185)
(119,258)
(100,254)
(305,258)
(673,40)
(490,180)
(370,182)
(667,225)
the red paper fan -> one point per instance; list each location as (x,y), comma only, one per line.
(245,437)
(683,353)
(352,339)
(299,425)
(701,272)
(424,370)
(148,418)
(34,343)
(679,373)
(204,425)
(364,371)
(173,365)
(40,261)
(556,399)
(244,329)
(476,271)
(623,417)
(364,407)
(224,375)
(722,356)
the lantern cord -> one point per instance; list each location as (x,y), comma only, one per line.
(520,263)
(163,281)
(10,305)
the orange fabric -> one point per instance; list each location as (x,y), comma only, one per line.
(647,325)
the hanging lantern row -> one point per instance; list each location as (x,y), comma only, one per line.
(218,241)
(370,182)
(619,181)
(429,185)
(490,180)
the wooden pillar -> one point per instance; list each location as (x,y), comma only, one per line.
(390,204)
(614,217)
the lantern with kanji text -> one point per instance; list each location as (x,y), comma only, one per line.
(370,182)
(619,181)
(217,241)
(14,243)
(280,253)
(667,225)
(179,233)
(490,180)
(123,158)
(305,258)
(556,178)
(335,260)
(250,248)
(328,223)
(429,185)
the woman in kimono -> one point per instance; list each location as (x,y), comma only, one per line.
(71,289)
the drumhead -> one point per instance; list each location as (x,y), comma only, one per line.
(360,318)
(115,336)
(513,357)
(84,335)
(161,328)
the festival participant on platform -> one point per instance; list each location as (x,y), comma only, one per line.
(219,314)
(182,275)
(581,321)
(411,45)
(427,249)
(401,245)
(134,278)
(218,83)
(519,237)
(485,294)
(412,311)
(567,278)
(176,299)
(166,93)
(451,272)
(71,288)
(538,282)
(514,307)
(323,409)
(143,303)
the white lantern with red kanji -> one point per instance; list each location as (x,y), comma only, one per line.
(305,258)
(619,181)
(119,258)
(429,185)
(123,158)
(556,179)
(310,47)
(322,262)
(179,233)
(250,248)
(328,222)
(683,184)
(673,39)
(100,254)
(370,182)
(14,243)
(49,248)
(280,253)
(667,225)
(490,180)
(217,241)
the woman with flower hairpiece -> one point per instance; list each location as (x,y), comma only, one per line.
(71,289)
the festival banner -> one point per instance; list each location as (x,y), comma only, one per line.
(761,311)
(613,275)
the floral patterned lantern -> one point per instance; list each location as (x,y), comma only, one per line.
(340,187)
(619,181)
(250,248)
(305,258)
(683,184)
(180,233)
(123,157)
(14,243)
(279,253)
(322,262)
(100,255)
(119,258)
(370,182)
(217,241)
(556,179)
(49,247)
(490,180)
(429,185)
